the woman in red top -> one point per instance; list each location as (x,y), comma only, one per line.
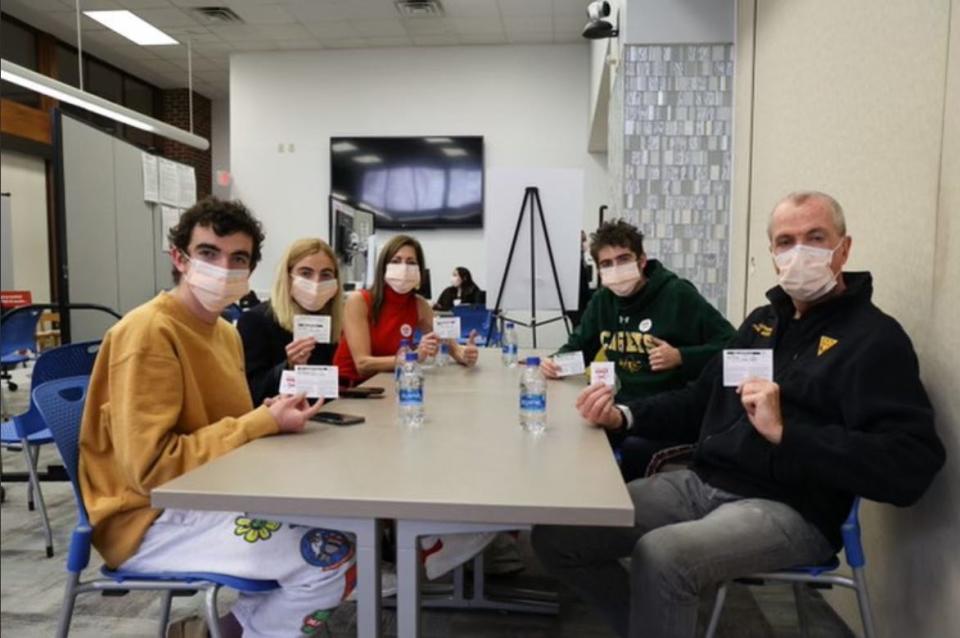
(376,320)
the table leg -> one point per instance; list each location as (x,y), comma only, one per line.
(408,581)
(368,580)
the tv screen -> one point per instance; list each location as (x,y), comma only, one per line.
(411,182)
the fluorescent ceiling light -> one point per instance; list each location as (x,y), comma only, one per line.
(40,83)
(456,151)
(367,159)
(131,27)
(342,147)
(438,140)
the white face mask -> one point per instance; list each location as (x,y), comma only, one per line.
(215,287)
(312,295)
(621,279)
(804,271)
(402,277)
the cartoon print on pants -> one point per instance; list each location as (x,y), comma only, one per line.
(326,548)
(313,623)
(255,529)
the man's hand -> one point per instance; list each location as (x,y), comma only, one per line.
(663,356)
(549,369)
(292,412)
(429,344)
(761,400)
(469,353)
(299,350)
(595,404)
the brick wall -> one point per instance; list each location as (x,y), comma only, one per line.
(175,110)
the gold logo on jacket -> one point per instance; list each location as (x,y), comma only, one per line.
(762,329)
(825,344)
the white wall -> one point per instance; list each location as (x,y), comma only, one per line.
(529,102)
(220,144)
(24,177)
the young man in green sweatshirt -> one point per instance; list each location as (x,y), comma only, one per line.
(655,327)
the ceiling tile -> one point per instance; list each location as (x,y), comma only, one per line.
(529,37)
(426,26)
(484,38)
(166,17)
(435,40)
(300,44)
(332,29)
(142,4)
(349,43)
(509,8)
(264,14)
(316,11)
(529,23)
(569,25)
(389,42)
(476,25)
(378,28)
(471,8)
(571,8)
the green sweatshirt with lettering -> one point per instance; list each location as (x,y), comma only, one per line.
(623,330)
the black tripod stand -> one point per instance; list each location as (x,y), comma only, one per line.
(532,197)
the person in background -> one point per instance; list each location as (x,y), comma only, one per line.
(374,322)
(307,282)
(462,290)
(779,460)
(656,328)
(167,395)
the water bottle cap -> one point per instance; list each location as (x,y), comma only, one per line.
(510,324)
(533,362)
(411,356)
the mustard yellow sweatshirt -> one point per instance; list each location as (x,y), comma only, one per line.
(168,393)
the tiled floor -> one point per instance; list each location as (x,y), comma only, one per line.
(31,588)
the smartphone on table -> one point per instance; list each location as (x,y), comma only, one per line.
(337,418)
(361,392)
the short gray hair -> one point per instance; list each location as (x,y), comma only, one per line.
(800,197)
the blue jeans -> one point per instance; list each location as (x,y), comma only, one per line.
(687,536)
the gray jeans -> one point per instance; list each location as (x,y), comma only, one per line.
(687,536)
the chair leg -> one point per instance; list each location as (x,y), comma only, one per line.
(35,484)
(165,611)
(30,464)
(66,611)
(803,617)
(213,616)
(863,600)
(717,610)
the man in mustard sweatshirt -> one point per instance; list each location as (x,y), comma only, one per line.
(167,394)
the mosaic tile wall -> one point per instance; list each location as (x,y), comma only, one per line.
(676,124)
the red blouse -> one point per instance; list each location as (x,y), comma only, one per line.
(398,320)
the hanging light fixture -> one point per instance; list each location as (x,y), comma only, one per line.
(29,79)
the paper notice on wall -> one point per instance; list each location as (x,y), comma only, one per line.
(169,217)
(188,186)
(169,177)
(151,180)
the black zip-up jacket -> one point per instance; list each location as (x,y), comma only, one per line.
(856,417)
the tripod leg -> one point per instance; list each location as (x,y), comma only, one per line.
(506,269)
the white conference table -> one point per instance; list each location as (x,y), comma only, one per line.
(469,467)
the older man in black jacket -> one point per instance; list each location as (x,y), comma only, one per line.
(778,461)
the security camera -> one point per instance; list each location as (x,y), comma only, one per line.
(598,28)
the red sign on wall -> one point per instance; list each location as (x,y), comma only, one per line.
(15,298)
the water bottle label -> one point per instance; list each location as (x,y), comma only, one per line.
(410,396)
(533,402)
(509,348)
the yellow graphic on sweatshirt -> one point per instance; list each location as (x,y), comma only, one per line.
(825,344)
(762,329)
(629,349)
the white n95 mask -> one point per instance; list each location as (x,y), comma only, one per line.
(312,295)
(215,287)
(804,272)
(402,277)
(622,278)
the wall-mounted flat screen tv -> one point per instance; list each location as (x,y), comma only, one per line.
(411,182)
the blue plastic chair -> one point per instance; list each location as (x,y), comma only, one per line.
(28,431)
(18,340)
(817,575)
(474,317)
(60,403)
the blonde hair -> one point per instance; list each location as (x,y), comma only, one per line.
(283,304)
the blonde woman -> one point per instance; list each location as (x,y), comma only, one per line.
(307,282)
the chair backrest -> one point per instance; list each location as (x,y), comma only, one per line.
(850,530)
(71,360)
(475,317)
(18,331)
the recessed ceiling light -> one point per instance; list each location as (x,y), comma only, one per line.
(342,147)
(438,140)
(131,27)
(367,159)
(456,151)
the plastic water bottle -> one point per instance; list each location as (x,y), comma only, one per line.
(401,358)
(443,355)
(509,345)
(533,397)
(410,392)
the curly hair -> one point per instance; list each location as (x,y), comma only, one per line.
(616,233)
(225,217)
